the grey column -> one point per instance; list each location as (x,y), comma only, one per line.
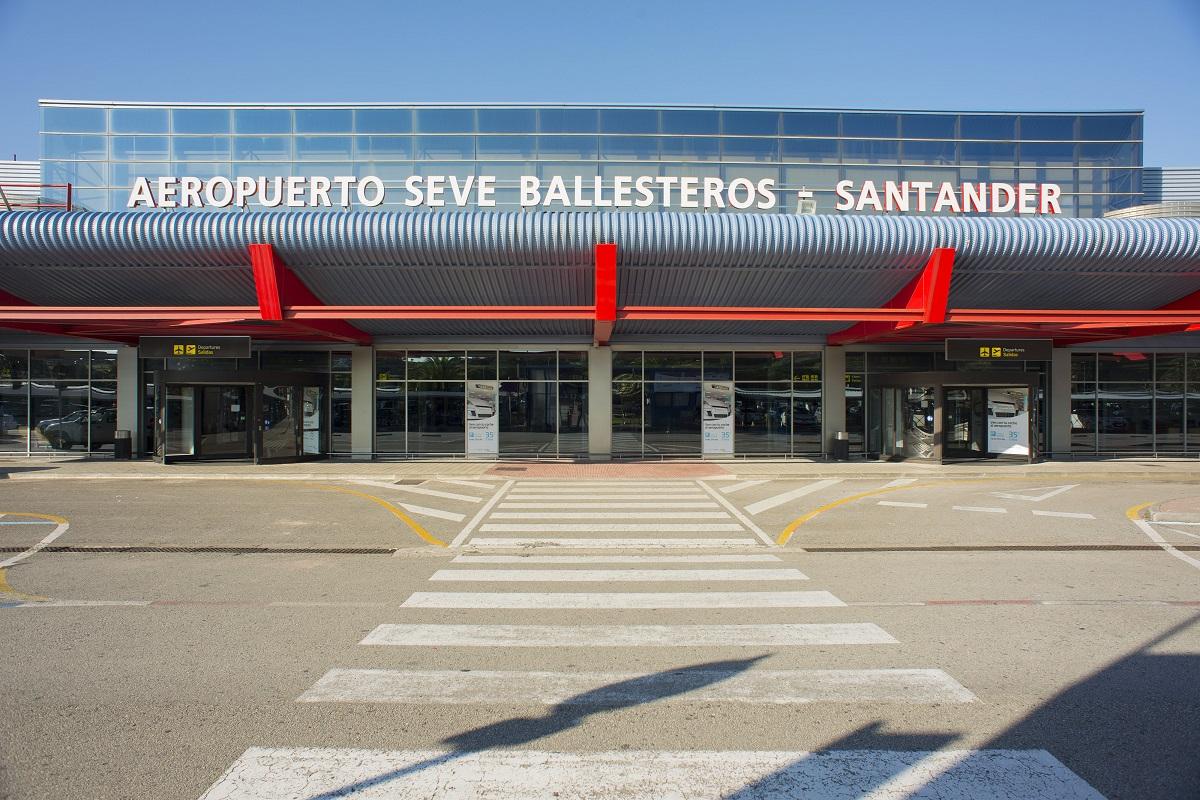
(600,403)
(362,401)
(129,396)
(833,396)
(1059,426)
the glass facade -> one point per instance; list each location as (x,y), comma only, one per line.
(103,149)
(1135,402)
(420,401)
(57,401)
(657,401)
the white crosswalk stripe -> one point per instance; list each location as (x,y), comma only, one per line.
(786,497)
(566,600)
(737,487)
(617,559)
(520,542)
(615,575)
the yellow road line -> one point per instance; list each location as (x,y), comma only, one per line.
(6,588)
(1133,511)
(405,518)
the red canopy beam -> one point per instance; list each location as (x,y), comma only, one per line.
(278,288)
(605,310)
(928,293)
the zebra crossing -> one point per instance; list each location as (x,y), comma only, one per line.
(487,761)
(610,514)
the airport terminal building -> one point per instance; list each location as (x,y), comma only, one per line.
(284,282)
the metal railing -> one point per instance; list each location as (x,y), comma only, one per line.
(32,196)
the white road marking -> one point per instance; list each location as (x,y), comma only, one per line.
(471,484)
(617,575)
(608,527)
(262,773)
(901,504)
(1045,492)
(1155,537)
(1170,522)
(981,509)
(732,509)
(630,505)
(586,496)
(59,529)
(470,526)
(1064,514)
(78,603)
(1185,533)
(30,522)
(554,486)
(609,515)
(399,487)
(628,542)
(535,687)
(569,600)
(613,559)
(899,482)
(786,497)
(737,487)
(432,512)
(787,635)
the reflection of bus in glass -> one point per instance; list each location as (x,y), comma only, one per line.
(481,401)
(1001,409)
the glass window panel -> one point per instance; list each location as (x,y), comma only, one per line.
(988,152)
(59,413)
(340,403)
(810,150)
(436,417)
(1083,366)
(988,126)
(928,126)
(1169,367)
(567,147)
(139,148)
(383,148)
(126,174)
(629,148)
(762,418)
(14,410)
(691,121)
(200,148)
(200,120)
(262,120)
(80,173)
(808,123)
(445,120)
(628,120)
(750,123)
(445,147)
(209,170)
(322,148)
(67,146)
(1102,153)
(302,360)
(806,367)
(1193,415)
(855,410)
(672,418)
(627,365)
(749,149)
(568,120)
(59,364)
(505,147)
(572,365)
(870,150)
(258,148)
(718,366)
(1126,366)
(73,120)
(566,170)
(882,125)
(1168,417)
(1048,153)
(900,362)
(691,148)
(436,365)
(1048,127)
(1083,417)
(481,365)
(1110,127)
(14,364)
(626,417)
(102,416)
(104,365)
(1126,416)
(389,365)
(507,120)
(341,362)
(528,417)
(572,418)
(929,152)
(766,366)
(527,365)
(383,120)
(91,200)
(458,169)
(389,417)
(672,366)
(324,120)
(139,120)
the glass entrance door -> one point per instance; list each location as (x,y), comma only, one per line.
(907,416)
(279,428)
(965,427)
(224,431)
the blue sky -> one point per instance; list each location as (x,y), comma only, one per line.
(944,54)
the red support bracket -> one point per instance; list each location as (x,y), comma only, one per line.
(928,293)
(278,288)
(606,293)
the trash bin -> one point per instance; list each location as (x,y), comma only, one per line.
(122,445)
(841,446)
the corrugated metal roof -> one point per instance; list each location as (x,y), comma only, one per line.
(545,257)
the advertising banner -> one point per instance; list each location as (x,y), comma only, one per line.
(717,422)
(1008,421)
(483,421)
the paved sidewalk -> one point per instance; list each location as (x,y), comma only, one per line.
(1156,470)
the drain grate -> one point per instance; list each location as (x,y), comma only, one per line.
(509,469)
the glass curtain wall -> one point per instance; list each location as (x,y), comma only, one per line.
(420,399)
(104,149)
(57,401)
(1133,402)
(657,401)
